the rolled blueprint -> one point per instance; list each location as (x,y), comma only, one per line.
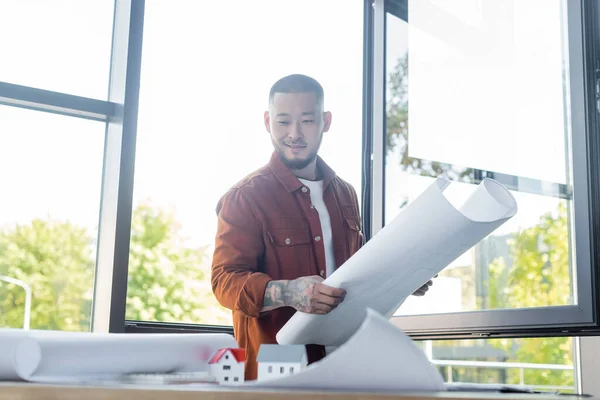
(41,356)
(420,242)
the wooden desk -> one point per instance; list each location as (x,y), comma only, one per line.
(29,391)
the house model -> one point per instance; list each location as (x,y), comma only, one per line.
(275,361)
(227,365)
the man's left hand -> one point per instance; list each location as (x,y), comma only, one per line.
(423,289)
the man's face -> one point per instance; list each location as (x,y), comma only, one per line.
(296,122)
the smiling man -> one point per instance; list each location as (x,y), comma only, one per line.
(285,227)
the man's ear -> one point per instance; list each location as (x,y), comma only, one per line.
(326,121)
(267,119)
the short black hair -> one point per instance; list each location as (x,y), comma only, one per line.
(297,83)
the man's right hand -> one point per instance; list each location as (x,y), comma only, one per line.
(306,294)
(309,295)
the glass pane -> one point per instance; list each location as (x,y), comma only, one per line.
(58,45)
(532,252)
(201,129)
(51,179)
(544,364)
(495,83)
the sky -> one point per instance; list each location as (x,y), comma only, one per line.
(206,72)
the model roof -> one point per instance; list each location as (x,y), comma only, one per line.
(281,353)
(238,354)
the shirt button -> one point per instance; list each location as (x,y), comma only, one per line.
(288,240)
(322,273)
(318,238)
(304,189)
(312,206)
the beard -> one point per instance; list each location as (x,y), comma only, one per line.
(295,164)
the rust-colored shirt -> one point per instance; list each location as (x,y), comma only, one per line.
(269,230)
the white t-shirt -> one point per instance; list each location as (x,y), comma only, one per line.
(316,197)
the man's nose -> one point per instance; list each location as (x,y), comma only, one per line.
(295,131)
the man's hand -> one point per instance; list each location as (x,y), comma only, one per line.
(311,296)
(306,294)
(423,289)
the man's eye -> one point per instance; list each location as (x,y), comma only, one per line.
(283,122)
(308,121)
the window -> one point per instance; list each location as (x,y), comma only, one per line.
(480,93)
(226,378)
(59,45)
(226,367)
(291,370)
(281,370)
(235,379)
(512,100)
(51,180)
(544,364)
(201,129)
(64,135)
(474,89)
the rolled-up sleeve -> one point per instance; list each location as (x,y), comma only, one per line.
(235,278)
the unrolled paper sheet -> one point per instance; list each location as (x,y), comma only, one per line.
(421,241)
(378,357)
(40,356)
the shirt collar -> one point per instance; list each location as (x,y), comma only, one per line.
(291,181)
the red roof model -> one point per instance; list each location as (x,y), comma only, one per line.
(238,354)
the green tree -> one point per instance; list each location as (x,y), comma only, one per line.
(55,259)
(168,280)
(539,277)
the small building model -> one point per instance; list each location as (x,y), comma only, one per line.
(275,361)
(227,365)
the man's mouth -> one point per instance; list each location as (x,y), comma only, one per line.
(296,146)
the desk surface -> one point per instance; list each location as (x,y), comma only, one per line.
(29,391)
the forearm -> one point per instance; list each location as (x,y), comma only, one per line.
(239,289)
(282,293)
(305,294)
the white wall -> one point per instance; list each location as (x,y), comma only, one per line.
(589,362)
(263,370)
(236,370)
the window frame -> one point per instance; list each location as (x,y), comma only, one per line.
(120,114)
(119,295)
(580,319)
(485,324)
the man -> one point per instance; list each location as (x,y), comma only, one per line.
(285,227)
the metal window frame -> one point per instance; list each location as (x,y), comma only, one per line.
(120,113)
(587,364)
(367,116)
(379,112)
(492,323)
(370,91)
(55,102)
(110,290)
(582,318)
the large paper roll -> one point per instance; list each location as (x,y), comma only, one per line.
(421,241)
(41,356)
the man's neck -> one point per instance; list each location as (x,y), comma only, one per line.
(310,172)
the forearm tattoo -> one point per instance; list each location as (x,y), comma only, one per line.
(294,293)
(274,295)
